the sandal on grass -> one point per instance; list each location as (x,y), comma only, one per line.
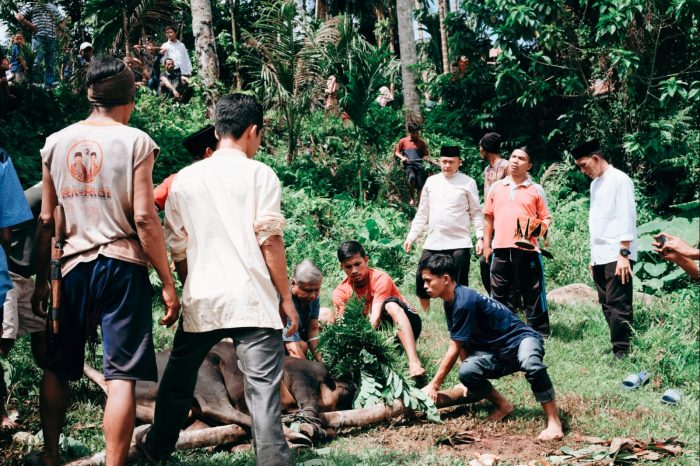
(634,381)
(671,397)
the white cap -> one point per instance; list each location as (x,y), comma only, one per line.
(85,45)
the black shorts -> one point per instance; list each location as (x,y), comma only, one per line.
(461,258)
(117,295)
(415,174)
(413,317)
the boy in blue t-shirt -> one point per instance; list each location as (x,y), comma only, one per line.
(492,343)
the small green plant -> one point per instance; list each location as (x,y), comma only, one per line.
(354,351)
(654,273)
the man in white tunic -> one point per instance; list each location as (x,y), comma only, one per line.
(224,227)
(612,222)
(449,208)
(176,50)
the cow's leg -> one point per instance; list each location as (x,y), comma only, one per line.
(261,356)
(176,389)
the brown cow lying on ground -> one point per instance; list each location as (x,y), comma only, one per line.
(306,390)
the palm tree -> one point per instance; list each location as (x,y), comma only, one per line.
(443,37)
(205,47)
(361,69)
(407,47)
(286,59)
(114,24)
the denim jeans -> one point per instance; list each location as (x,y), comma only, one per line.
(261,359)
(45,51)
(481,366)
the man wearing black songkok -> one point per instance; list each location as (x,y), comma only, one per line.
(497,169)
(200,145)
(449,210)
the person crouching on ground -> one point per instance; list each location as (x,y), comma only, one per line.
(383,301)
(306,287)
(493,343)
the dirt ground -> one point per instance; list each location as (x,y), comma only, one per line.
(461,436)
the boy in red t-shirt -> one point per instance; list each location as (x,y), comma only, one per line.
(412,151)
(383,300)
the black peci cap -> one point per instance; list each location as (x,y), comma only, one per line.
(586,149)
(450,151)
(198,142)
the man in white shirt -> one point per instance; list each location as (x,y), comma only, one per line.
(224,228)
(176,50)
(449,207)
(612,222)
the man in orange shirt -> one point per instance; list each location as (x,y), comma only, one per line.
(383,300)
(516,196)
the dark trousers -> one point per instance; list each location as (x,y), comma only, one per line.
(513,265)
(261,359)
(616,300)
(485,272)
(480,366)
(459,256)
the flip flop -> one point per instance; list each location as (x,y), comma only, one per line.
(634,381)
(671,397)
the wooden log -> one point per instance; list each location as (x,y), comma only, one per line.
(201,438)
(380,413)
(335,419)
(96,376)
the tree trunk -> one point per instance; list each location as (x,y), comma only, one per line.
(454,7)
(407,46)
(205,47)
(443,37)
(234,40)
(127,48)
(321,9)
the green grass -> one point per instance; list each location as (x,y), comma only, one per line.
(587,384)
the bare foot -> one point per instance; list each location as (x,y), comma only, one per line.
(416,370)
(552,432)
(502,411)
(8,424)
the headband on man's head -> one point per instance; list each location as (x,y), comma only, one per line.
(114,90)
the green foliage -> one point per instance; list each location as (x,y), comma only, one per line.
(624,71)
(34,115)
(284,59)
(316,226)
(168,123)
(352,350)
(655,274)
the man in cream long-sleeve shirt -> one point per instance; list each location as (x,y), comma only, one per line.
(449,208)
(224,228)
(612,224)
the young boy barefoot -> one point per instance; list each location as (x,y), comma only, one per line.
(493,343)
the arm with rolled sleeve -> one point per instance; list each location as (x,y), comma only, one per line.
(476,217)
(268,225)
(175,232)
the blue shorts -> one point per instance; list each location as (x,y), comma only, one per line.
(116,295)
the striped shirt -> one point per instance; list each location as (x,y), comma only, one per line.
(45,16)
